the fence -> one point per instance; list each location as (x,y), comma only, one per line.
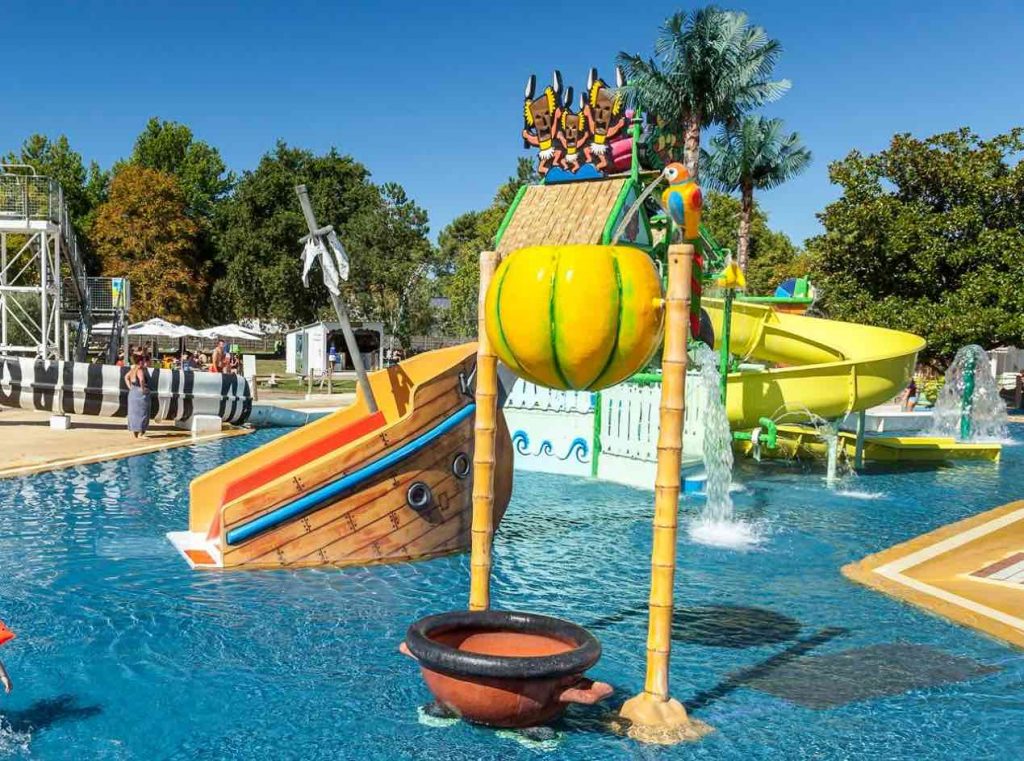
(26,197)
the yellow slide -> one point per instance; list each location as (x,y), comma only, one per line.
(824,366)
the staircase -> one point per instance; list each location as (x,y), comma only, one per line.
(37,246)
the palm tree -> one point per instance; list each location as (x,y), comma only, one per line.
(753,154)
(710,66)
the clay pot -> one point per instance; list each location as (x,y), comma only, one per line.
(503,668)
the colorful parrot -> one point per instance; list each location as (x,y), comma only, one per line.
(682,201)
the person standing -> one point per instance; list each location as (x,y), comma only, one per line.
(137,381)
(217,361)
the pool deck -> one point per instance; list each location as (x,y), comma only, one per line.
(971,572)
(31,446)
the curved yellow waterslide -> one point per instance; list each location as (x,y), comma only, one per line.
(824,366)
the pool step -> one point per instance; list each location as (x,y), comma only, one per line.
(198,551)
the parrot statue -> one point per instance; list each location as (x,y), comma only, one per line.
(682,200)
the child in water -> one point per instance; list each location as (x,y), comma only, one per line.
(5,635)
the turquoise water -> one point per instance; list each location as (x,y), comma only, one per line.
(123,653)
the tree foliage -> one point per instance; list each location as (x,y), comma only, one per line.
(928,236)
(460,244)
(752,154)
(144,232)
(171,147)
(384,232)
(709,67)
(773,256)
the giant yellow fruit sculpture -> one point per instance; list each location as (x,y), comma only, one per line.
(581,317)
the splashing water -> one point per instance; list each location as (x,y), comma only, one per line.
(12,742)
(839,470)
(716,524)
(985,416)
(621,228)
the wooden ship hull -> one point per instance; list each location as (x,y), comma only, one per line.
(354,488)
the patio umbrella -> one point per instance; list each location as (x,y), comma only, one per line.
(231,330)
(159,328)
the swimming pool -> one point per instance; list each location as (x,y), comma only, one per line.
(122,652)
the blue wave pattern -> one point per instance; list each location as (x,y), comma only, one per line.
(578,448)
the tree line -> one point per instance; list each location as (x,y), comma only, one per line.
(202,245)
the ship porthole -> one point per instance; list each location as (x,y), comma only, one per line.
(460,465)
(419,496)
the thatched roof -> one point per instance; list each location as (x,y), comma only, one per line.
(562,213)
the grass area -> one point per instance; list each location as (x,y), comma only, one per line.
(296,384)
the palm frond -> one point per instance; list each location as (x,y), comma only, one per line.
(755,152)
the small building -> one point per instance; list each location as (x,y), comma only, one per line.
(310,346)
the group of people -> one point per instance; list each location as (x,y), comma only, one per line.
(137,378)
(220,360)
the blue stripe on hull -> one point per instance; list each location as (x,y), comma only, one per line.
(325,494)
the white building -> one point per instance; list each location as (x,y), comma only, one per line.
(310,346)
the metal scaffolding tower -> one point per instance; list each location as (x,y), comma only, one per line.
(36,241)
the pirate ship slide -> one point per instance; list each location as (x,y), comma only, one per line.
(357,486)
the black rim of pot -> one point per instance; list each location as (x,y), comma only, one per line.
(444,658)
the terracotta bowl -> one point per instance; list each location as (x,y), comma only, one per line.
(503,668)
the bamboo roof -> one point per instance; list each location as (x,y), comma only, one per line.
(562,213)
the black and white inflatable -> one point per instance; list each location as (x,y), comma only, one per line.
(77,388)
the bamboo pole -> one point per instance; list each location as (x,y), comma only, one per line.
(654,716)
(485,429)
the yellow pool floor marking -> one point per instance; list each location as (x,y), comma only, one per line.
(971,571)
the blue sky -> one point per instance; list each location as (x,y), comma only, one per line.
(429,94)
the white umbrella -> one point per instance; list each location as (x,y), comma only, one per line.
(231,330)
(162,329)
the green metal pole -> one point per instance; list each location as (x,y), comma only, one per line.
(858,455)
(723,366)
(967,400)
(635,130)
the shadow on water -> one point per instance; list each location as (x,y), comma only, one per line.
(43,714)
(764,668)
(733,627)
(604,719)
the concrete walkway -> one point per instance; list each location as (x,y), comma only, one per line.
(29,445)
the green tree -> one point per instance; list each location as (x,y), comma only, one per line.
(709,66)
(460,244)
(384,232)
(390,276)
(143,232)
(752,154)
(171,147)
(928,237)
(205,182)
(772,255)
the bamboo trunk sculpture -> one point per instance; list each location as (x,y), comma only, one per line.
(483,450)
(654,716)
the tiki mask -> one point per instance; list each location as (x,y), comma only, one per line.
(604,109)
(540,117)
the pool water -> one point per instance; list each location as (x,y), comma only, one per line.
(124,653)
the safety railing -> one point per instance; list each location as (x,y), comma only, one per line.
(30,198)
